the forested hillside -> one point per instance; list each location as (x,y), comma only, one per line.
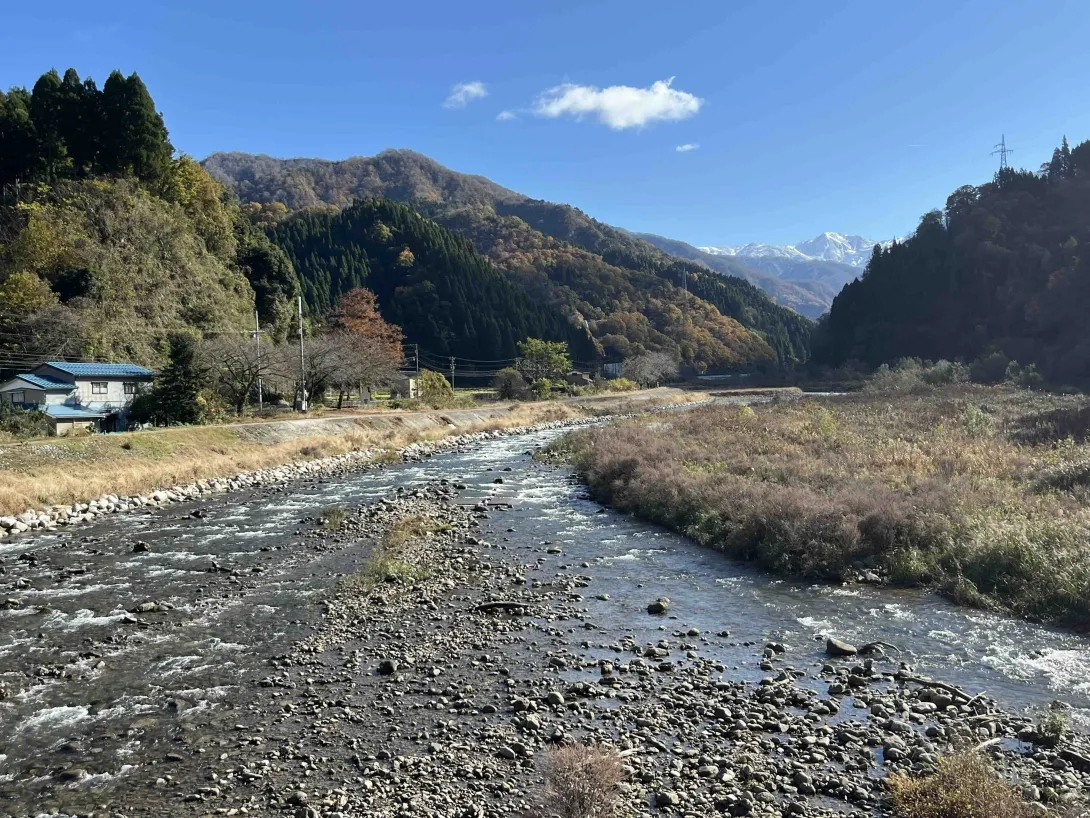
(631,294)
(108,242)
(431,282)
(1002,271)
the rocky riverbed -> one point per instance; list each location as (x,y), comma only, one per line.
(397,686)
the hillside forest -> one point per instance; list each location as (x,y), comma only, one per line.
(632,296)
(1000,274)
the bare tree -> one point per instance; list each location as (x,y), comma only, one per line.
(650,368)
(235,365)
(365,363)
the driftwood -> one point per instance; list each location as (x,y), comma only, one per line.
(871,647)
(1076,760)
(502,605)
(953,691)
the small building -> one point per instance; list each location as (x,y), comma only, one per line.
(404,386)
(78,396)
(578,379)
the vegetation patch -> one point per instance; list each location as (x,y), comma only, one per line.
(933,489)
(963,786)
(388,563)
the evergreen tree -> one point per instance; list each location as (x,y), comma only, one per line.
(18,141)
(47,109)
(135,140)
(177,390)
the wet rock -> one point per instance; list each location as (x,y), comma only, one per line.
(838,647)
(387,667)
(659,606)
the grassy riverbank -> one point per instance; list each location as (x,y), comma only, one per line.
(61,471)
(981,492)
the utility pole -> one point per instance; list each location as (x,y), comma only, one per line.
(452,373)
(416,357)
(1002,150)
(302,361)
(257,343)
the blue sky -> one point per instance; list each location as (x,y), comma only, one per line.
(809,116)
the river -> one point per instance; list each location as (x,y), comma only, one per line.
(85,677)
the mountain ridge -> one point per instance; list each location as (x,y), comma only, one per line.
(632,295)
(854,251)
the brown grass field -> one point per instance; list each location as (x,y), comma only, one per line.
(981,492)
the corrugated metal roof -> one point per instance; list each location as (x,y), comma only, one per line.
(102,370)
(62,412)
(43,382)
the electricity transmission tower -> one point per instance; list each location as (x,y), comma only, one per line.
(1002,150)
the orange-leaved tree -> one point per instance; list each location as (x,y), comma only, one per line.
(369,346)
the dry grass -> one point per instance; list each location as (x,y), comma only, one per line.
(580,782)
(936,489)
(962,786)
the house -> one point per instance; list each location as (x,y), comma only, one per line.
(78,396)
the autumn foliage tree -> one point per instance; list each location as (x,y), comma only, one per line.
(369,347)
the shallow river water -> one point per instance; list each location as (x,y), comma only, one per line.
(82,677)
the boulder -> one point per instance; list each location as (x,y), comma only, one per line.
(838,647)
(659,606)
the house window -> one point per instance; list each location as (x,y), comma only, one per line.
(99,387)
(130,388)
(18,397)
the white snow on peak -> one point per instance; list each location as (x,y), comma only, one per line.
(851,250)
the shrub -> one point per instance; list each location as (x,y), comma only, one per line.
(510,385)
(406,403)
(333,518)
(434,389)
(542,388)
(23,423)
(990,368)
(942,373)
(963,786)
(976,421)
(1052,729)
(622,385)
(580,782)
(1054,425)
(1067,476)
(913,375)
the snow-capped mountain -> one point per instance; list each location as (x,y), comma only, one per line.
(855,251)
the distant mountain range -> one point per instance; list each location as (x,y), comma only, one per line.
(854,251)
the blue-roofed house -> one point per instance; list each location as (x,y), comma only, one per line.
(78,396)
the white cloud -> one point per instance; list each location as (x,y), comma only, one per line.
(688,146)
(465,92)
(619,106)
(504,116)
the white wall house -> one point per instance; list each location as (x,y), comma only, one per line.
(78,396)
